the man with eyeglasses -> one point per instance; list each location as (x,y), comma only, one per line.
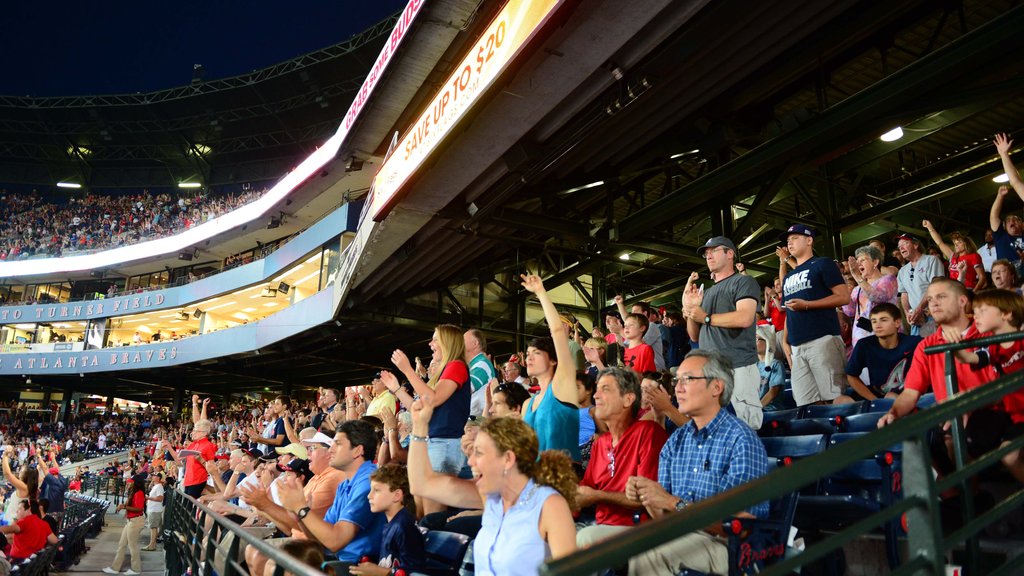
(723,318)
(629,448)
(711,454)
(913,280)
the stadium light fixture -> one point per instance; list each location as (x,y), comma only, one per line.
(893,135)
(624,256)
(189,185)
(1001,179)
(74,185)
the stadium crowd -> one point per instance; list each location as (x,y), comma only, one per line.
(34,227)
(587,433)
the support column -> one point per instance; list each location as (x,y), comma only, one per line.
(65,405)
(110,402)
(721,222)
(179,396)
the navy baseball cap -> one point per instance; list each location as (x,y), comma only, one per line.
(714,242)
(800,229)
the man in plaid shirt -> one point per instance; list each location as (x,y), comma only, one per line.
(711,454)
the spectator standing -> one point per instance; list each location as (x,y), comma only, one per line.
(155,510)
(965,263)
(812,291)
(987,251)
(1008,232)
(872,288)
(652,335)
(134,509)
(481,371)
(553,412)
(724,318)
(913,280)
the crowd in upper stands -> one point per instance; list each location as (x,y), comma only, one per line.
(34,227)
(588,432)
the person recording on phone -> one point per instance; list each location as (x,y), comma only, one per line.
(722,319)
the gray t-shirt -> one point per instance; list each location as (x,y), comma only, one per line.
(914,278)
(738,344)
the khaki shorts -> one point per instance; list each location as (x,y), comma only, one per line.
(819,370)
(155,520)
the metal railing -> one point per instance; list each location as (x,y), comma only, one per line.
(189,546)
(927,548)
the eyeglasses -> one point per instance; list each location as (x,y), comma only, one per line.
(685,380)
(710,251)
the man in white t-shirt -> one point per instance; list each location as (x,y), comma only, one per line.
(155,510)
(102,441)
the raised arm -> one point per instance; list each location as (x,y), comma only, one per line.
(1003,144)
(564,384)
(9,475)
(423,481)
(995,219)
(947,250)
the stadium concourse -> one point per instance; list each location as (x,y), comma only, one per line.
(563,288)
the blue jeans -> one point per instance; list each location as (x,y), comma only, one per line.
(446,455)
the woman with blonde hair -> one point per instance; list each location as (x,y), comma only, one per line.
(527,500)
(449,390)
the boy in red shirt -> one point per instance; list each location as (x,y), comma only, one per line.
(31,533)
(638,355)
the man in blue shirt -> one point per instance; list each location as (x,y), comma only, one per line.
(812,291)
(349,528)
(711,454)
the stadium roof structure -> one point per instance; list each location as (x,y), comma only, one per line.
(251,127)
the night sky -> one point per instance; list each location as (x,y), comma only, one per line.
(64,48)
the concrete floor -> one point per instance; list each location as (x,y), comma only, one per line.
(103,548)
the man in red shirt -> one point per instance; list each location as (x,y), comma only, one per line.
(195,472)
(947,305)
(31,533)
(629,448)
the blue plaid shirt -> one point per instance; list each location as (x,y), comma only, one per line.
(697,464)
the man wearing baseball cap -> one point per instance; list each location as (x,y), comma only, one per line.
(723,318)
(811,292)
(913,280)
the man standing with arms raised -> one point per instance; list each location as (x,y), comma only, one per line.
(723,318)
(812,291)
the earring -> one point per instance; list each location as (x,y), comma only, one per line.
(504,472)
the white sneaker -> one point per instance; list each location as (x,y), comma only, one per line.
(109,570)
(130,572)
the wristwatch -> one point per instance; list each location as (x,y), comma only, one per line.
(302,512)
(707,320)
(681,504)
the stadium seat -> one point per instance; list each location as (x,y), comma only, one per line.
(804,426)
(831,410)
(865,422)
(446,553)
(880,405)
(782,450)
(926,401)
(774,422)
(855,493)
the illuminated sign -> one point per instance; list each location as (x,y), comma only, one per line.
(514,26)
(245,214)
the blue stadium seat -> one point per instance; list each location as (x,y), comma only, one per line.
(804,426)
(926,401)
(855,493)
(880,405)
(774,422)
(832,410)
(446,552)
(782,450)
(865,422)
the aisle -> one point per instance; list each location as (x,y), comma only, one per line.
(102,549)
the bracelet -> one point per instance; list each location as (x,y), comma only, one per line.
(415,438)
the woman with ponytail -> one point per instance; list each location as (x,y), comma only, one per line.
(449,389)
(527,501)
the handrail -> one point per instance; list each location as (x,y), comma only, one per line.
(184,508)
(974,343)
(782,481)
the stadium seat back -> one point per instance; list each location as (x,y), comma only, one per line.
(832,410)
(865,422)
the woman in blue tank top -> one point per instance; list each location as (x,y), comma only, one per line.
(553,413)
(527,500)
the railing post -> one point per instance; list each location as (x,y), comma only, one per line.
(960,459)
(924,523)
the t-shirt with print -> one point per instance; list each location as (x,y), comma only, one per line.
(640,358)
(887,369)
(812,280)
(971,276)
(738,344)
(1007,245)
